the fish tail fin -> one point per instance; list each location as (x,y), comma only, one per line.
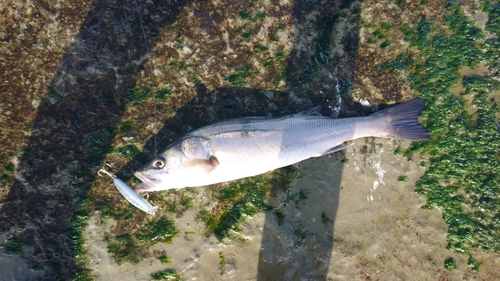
(403,120)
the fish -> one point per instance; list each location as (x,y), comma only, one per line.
(249,146)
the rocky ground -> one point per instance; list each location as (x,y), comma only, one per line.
(81,88)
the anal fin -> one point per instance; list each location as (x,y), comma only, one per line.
(336,149)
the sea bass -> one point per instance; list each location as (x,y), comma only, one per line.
(249,146)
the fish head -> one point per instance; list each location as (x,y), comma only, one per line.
(181,165)
(159,174)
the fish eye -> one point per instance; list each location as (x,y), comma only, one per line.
(159,163)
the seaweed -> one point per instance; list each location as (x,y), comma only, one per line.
(222,262)
(325,219)
(450,264)
(247,198)
(493,24)
(167,274)
(161,230)
(129,150)
(134,245)
(300,235)
(464,149)
(14,245)
(142,93)
(124,248)
(240,74)
(403,178)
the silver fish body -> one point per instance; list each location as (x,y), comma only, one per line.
(244,147)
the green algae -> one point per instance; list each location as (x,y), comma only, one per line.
(280,216)
(246,35)
(280,55)
(473,264)
(296,197)
(162,230)
(259,16)
(398,150)
(325,219)
(247,198)
(176,27)
(222,262)
(124,248)
(128,151)
(77,243)
(385,44)
(260,48)
(493,24)
(242,199)
(141,93)
(386,25)
(6,179)
(245,15)
(491,56)
(450,264)
(380,34)
(133,246)
(167,274)
(300,233)
(187,202)
(464,148)
(304,194)
(164,259)
(108,211)
(403,178)
(126,127)
(240,74)
(125,213)
(14,245)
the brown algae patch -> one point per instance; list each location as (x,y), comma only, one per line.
(214,61)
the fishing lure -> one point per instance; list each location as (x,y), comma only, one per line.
(129,193)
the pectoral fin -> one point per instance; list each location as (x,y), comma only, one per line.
(195,166)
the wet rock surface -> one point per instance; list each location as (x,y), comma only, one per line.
(79,89)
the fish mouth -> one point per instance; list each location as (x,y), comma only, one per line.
(148,182)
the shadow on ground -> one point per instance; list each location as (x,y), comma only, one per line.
(74,128)
(78,119)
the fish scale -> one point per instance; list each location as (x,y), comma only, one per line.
(250,146)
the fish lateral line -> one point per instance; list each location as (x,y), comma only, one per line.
(244,147)
(129,193)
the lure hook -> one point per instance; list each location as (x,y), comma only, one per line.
(103,170)
(127,192)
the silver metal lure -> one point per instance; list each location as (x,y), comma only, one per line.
(129,194)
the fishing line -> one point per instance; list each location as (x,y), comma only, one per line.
(153,84)
(129,193)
